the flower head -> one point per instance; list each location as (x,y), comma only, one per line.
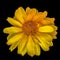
(30,31)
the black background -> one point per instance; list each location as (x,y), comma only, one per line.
(7,9)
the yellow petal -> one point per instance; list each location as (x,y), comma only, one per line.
(14,22)
(31,11)
(11,35)
(14,39)
(22,46)
(39,16)
(43,45)
(46,29)
(45,22)
(20,14)
(48,37)
(12,30)
(36,17)
(30,47)
(49,43)
(43,14)
(37,47)
(38,50)
(54,35)
(51,20)
(48,21)
(24,52)
(55,27)
(28,10)
(13,46)
(31,14)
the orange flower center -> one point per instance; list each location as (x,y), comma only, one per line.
(30,27)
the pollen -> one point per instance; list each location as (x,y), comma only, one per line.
(30,28)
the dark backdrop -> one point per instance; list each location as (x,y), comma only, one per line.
(7,8)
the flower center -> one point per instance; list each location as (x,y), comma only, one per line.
(30,27)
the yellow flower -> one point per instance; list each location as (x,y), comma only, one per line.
(30,31)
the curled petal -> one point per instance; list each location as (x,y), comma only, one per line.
(40,16)
(30,13)
(47,21)
(28,10)
(43,14)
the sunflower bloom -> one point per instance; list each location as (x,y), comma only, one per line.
(30,32)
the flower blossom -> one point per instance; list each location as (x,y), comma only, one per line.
(30,32)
